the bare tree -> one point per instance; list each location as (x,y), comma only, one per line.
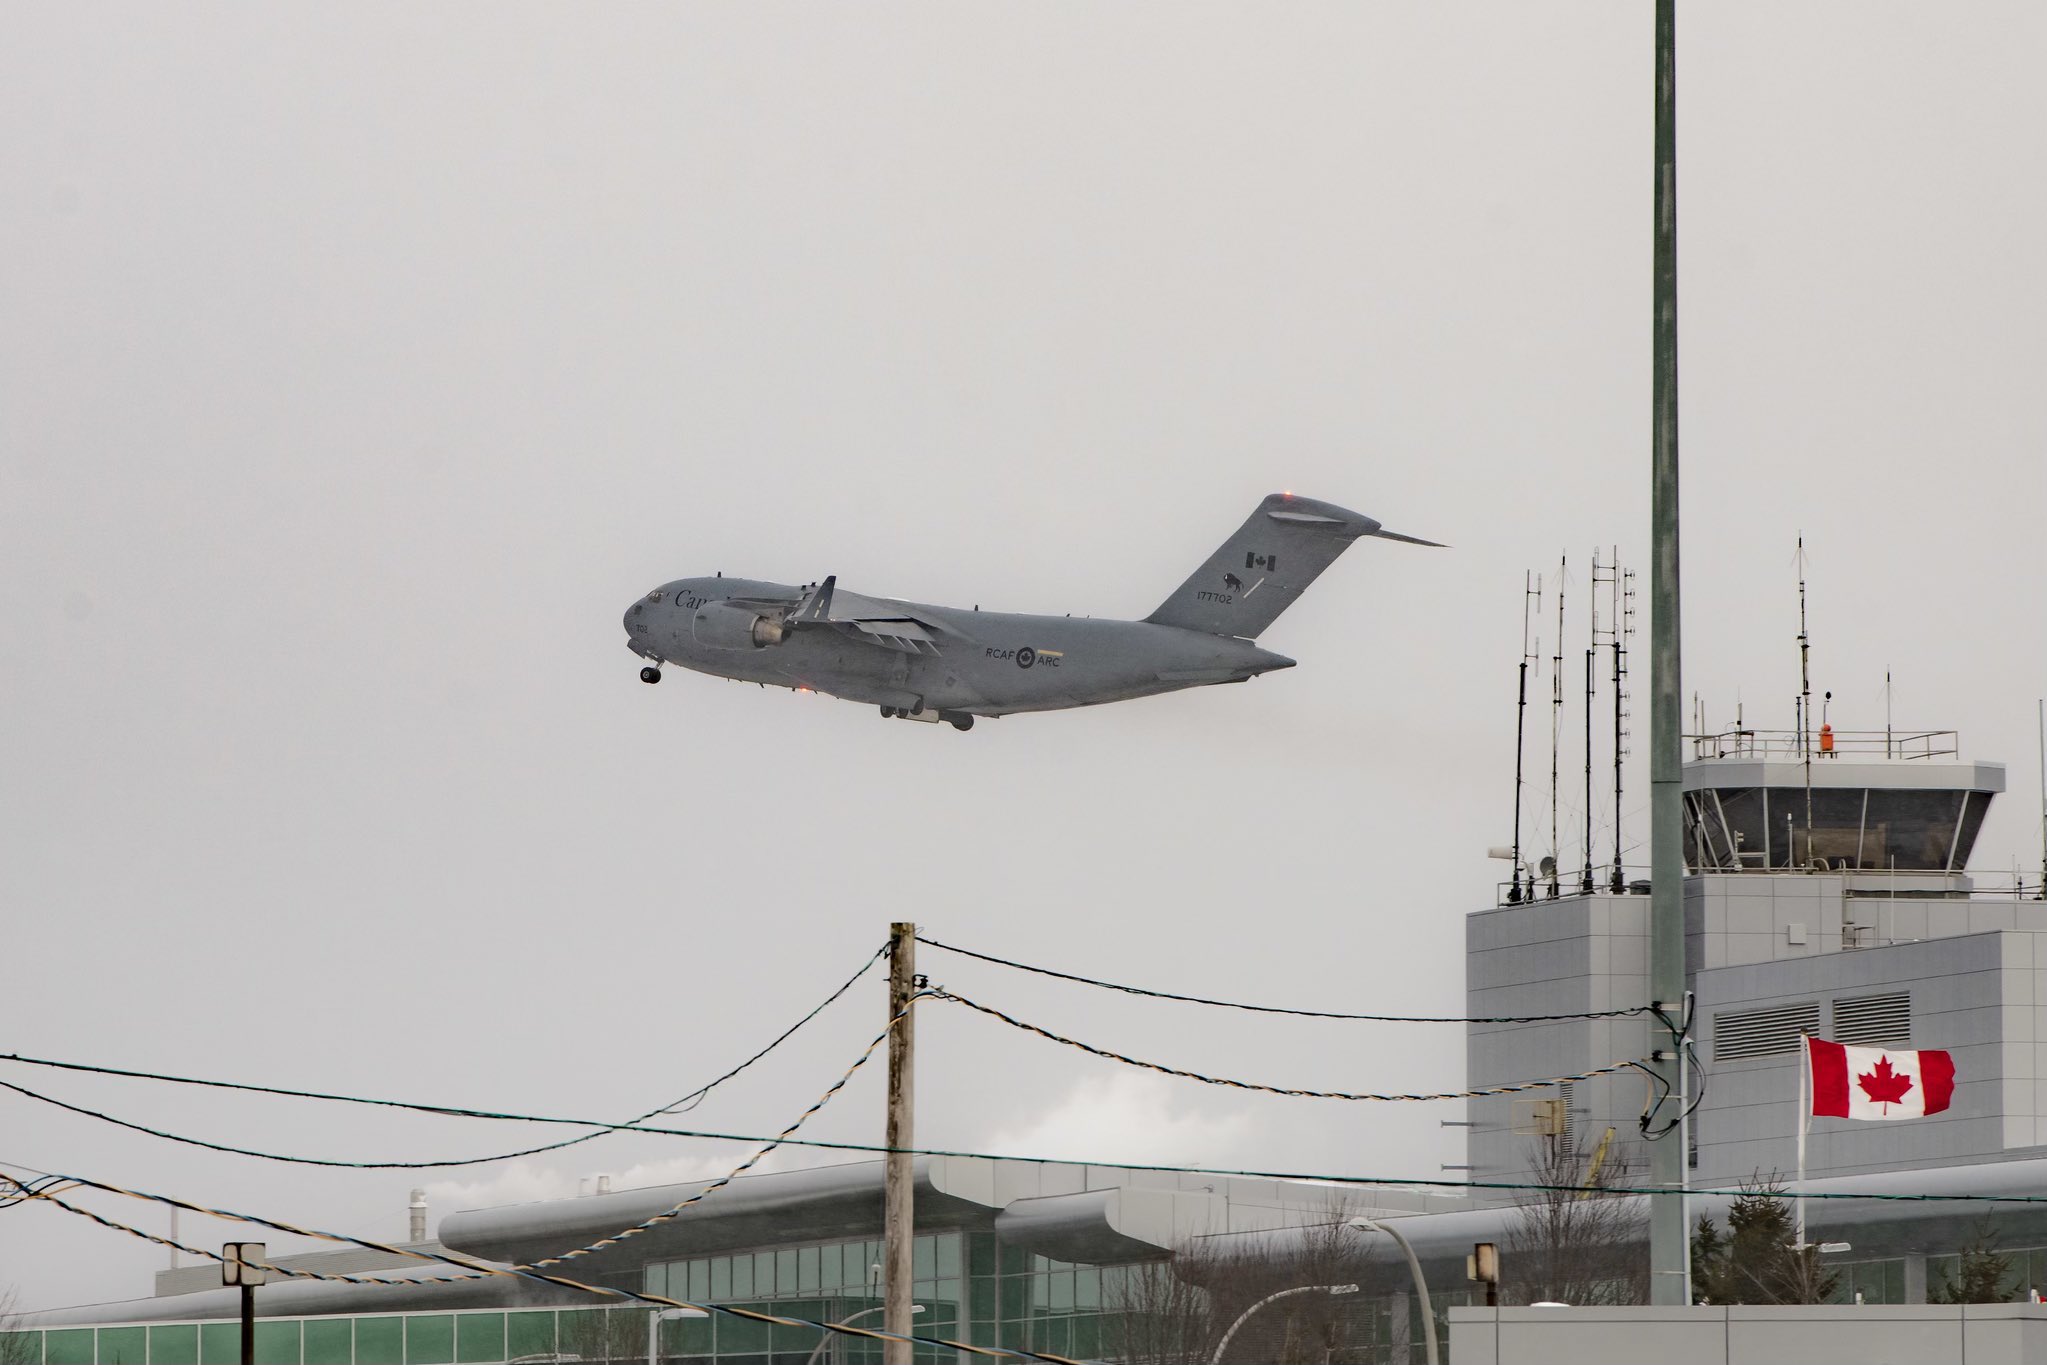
(1178,1313)
(1580,1239)
(1157,1318)
(16,1347)
(604,1334)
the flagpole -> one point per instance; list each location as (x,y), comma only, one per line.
(1804,1122)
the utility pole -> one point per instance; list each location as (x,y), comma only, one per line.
(1669,1244)
(898,1212)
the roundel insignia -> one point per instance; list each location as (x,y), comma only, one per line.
(1026,656)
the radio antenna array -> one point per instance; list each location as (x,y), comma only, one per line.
(1556,727)
(1531,603)
(1804,709)
(1600,635)
(1623,627)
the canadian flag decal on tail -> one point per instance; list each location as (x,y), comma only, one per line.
(1878,1083)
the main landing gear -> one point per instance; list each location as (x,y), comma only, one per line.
(650,675)
(958,720)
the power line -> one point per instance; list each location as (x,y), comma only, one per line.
(44,1191)
(878,1149)
(766,1145)
(1162,1069)
(612,1239)
(684,1104)
(1283,1009)
(675,1210)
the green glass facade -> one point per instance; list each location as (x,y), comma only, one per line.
(972,1288)
(473,1337)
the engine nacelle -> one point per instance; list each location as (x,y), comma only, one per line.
(720,625)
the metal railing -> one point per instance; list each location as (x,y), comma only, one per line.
(1984,884)
(1742,742)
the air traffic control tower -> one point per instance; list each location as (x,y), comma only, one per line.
(1828,892)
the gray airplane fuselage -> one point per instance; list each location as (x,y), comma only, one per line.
(977,663)
(930,663)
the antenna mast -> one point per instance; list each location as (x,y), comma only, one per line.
(1804,709)
(1585,876)
(1521,727)
(2043,799)
(1887,713)
(1623,627)
(1556,728)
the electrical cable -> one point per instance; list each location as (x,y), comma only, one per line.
(1284,1009)
(878,1149)
(482,1269)
(821,1144)
(673,1211)
(1682,1033)
(1479,1093)
(696,1097)
(683,1105)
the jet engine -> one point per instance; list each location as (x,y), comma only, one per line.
(721,625)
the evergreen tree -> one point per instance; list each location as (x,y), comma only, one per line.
(1754,1260)
(1980,1273)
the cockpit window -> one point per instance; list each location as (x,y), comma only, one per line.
(654,596)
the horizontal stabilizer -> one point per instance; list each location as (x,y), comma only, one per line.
(1260,571)
(1383,534)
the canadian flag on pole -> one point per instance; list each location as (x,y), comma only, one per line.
(1878,1083)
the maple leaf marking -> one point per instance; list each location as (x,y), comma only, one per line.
(1883,1085)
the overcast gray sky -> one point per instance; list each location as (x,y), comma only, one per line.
(359,365)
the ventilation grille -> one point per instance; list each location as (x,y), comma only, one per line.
(1763,1033)
(1874,1019)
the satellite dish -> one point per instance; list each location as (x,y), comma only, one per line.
(1547,867)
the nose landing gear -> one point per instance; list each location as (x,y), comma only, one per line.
(650,675)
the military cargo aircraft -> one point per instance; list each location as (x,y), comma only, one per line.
(951,664)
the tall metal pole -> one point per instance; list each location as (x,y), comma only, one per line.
(898,1215)
(1669,1246)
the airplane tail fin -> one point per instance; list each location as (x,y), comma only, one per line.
(1266,565)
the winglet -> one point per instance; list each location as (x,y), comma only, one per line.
(816,604)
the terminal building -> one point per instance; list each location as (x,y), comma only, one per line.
(1830,892)
(1037,1255)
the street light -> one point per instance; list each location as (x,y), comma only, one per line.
(1242,1317)
(246,1264)
(654,1321)
(1421,1286)
(818,1349)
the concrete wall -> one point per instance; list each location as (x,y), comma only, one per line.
(1573,954)
(1978,1334)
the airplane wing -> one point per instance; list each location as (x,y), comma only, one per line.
(886,624)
